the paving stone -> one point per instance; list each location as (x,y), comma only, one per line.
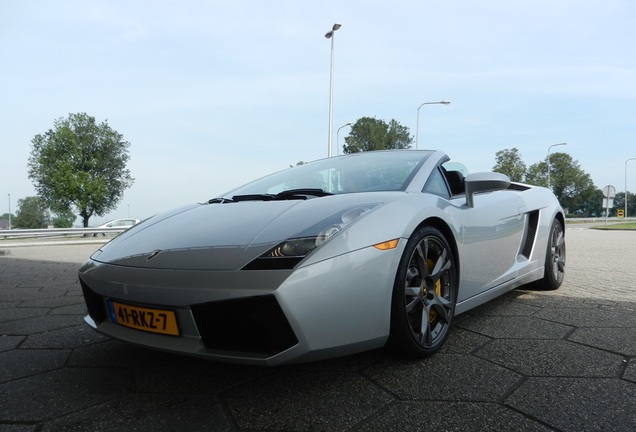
(352,363)
(521,327)
(73,309)
(22,362)
(38,398)
(462,341)
(447,377)
(4,305)
(37,324)
(147,412)
(578,404)
(505,308)
(618,340)
(585,318)
(195,376)
(16,294)
(551,358)
(17,313)
(450,417)
(297,400)
(65,338)
(630,370)
(10,342)
(56,300)
(113,353)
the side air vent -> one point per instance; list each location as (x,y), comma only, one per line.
(531,233)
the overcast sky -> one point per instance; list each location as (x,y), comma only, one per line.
(212,94)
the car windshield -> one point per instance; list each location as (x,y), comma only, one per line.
(359,172)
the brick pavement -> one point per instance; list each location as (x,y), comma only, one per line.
(528,361)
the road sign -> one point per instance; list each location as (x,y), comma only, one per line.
(620,213)
(609,191)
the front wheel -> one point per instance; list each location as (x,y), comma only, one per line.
(424,294)
(554,258)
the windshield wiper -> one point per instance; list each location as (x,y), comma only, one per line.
(302,193)
(291,194)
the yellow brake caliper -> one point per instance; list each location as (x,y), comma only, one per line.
(438,290)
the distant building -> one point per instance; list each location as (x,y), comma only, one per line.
(4,224)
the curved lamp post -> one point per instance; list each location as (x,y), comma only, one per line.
(417,124)
(553,145)
(331,35)
(626,184)
(337,140)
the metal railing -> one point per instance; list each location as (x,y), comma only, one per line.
(59,232)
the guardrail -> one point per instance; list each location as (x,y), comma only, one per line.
(94,232)
(59,232)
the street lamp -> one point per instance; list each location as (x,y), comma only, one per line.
(625,185)
(331,35)
(337,132)
(417,124)
(553,145)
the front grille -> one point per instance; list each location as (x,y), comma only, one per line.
(249,325)
(94,304)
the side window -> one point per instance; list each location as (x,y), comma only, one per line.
(436,184)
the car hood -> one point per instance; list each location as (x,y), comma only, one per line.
(223,236)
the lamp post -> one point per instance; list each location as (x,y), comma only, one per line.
(626,184)
(337,139)
(553,145)
(417,124)
(331,35)
(9,211)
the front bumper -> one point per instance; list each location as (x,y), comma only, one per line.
(267,317)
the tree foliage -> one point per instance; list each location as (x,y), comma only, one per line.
(368,134)
(509,162)
(32,213)
(571,185)
(80,163)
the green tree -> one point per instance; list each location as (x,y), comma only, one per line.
(32,213)
(368,134)
(571,185)
(619,203)
(63,218)
(80,163)
(509,162)
(591,205)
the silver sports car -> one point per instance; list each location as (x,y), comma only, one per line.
(325,259)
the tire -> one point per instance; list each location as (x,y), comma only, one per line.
(424,295)
(554,258)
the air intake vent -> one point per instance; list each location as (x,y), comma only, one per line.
(249,325)
(94,303)
(531,232)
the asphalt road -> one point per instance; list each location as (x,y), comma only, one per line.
(529,361)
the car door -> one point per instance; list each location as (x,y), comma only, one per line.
(490,233)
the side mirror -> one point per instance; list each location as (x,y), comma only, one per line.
(484,182)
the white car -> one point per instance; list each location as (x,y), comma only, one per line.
(325,259)
(117,223)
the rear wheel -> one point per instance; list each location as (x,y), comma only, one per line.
(424,294)
(554,258)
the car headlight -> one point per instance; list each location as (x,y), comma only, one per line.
(290,252)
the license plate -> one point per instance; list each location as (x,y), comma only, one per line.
(146,319)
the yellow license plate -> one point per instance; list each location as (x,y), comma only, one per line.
(146,319)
